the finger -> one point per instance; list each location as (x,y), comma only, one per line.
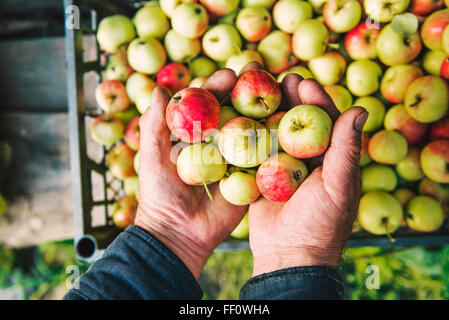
(253,65)
(341,162)
(220,83)
(290,85)
(314,162)
(311,92)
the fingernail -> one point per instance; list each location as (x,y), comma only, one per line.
(360,121)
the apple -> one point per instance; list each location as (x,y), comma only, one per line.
(305,131)
(175,76)
(190,20)
(432,61)
(435,161)
(272,124)
(227,113)
(136,162)
(242,229)
(318,5)
(409,168)
(341,97)
(202,67)
(114,31)
(144,98)
(329,68)
(439,130)
(384,10)
(168,6)
(124,211)
(237,62)
(197,82)
(120,161)
(425,7)
(397,79)
(398,119)
(111,96)
(117,67)
(261,3)
(387,147)
(131,186)
(404,195)
(360,42)
(444,71)
(191,112)
(180,49)
(342,15)
(433,27)
(376,110)
(132,134)
(288,14)
(424,214)
(364,155)
(220,8)
(299,70)
(238,186)
(107,129)
(310,39)
(427,99)
(256,94)
(244,142)
(136,82)
(380,213)
(280,176)
(146,55)
(253,23)
(395,48)
(437,191)
(201,164)
(378,177)
(363,77)
(276,51)
(150,21)
(221,42)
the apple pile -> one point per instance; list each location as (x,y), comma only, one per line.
(390,57)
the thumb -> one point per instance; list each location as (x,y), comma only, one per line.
(341,162)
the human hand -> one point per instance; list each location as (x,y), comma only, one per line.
(312,227)
(181,216)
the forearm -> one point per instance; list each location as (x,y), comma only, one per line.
(137,266)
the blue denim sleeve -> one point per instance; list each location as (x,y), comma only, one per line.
(137,266)
(299,283)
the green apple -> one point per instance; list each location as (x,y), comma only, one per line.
(376,110)
(127,115)
(364,154)
(260,3)
(427,99)
(254,23)
(221,42)
(244,142)
(432,61)
(136,162)
(202,67)
(409,168)
(387,147)
(136,82)
(380,213)
(342,15)
(150,21)
(168,6)
(179,48)
(197,82)
(239,187)
(107,129)
(318,5)
(299,70)
(146,55)
(276,51)
(341,97)
(131,186)
(329,68)
(384,10)
(117,67)
(435,161)
(288,14)
(242,229)
(227,114)
(220,8)
(237,62)
(397,79)
(404,195)
(424,214)
(190,20)
(363,77)
(3,205)
(378,177)
(310,39)
(114,31)
(394,48)
(144,98)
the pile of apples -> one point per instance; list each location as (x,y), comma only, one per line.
(390,57)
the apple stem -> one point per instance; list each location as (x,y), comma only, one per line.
(335,46)
(208,191)
(263,102)
(388,233)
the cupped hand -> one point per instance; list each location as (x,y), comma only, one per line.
(181,216)
(311,228)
